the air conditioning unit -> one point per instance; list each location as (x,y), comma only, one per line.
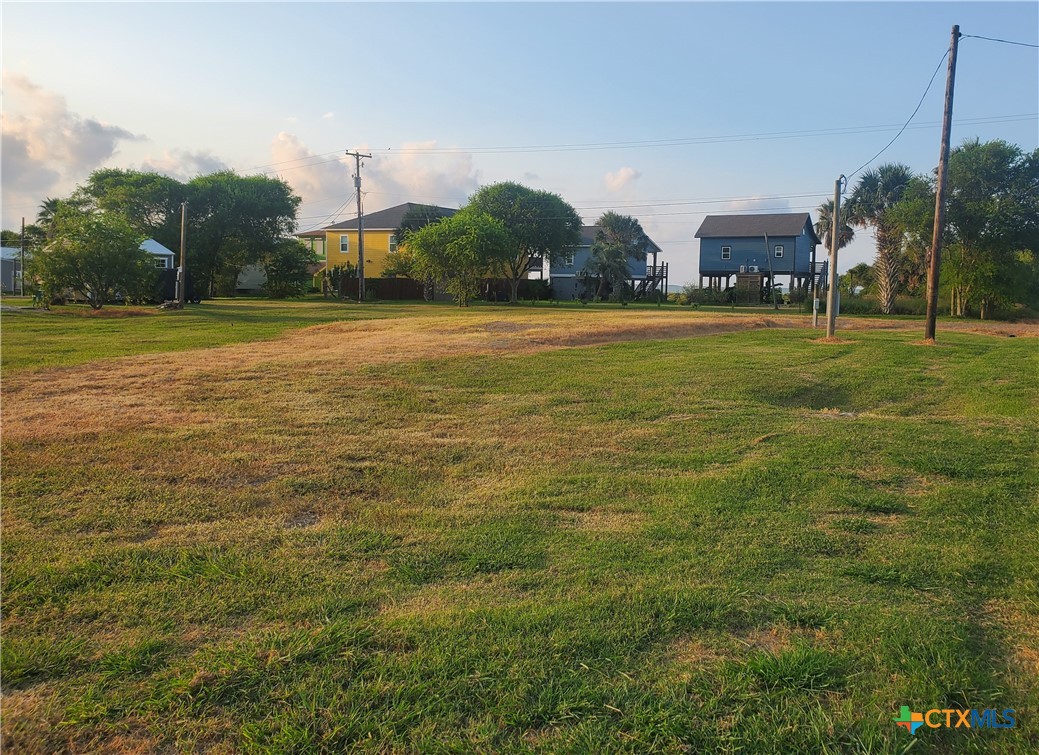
(743,268)
(752,269)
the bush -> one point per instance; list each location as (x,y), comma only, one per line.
(538,290)
(692,295)
(868,305)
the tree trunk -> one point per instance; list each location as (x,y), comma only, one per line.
(513,290)
(886,276)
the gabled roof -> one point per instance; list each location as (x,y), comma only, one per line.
(154,247)
(386,220)
(746,226)
(10,252)
(588,233)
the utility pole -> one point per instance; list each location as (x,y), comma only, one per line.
(360,228)
(831,287)
(182,272)
(21,262)
(939,201)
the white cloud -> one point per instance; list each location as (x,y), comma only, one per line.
(47,148)
(412,174)
(621,179)
(183,165)
(328,116)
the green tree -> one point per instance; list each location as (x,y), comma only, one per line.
(34,237)
(860,276)
(419,216)
(912,218)
(150,202)
(539,224)
(287,266)
(96,255)
(233,221)
(992,226)
(461,251)
(49,210)
(401,263)
(870,205)
(618,239)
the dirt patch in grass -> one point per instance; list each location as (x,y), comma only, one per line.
(832,340)
(1022,633)
(695,653)
(604,520)
(30,720)
(691,653)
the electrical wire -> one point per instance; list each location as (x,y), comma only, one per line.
(901,130)
(1004,41)
(335,214)
(655,143)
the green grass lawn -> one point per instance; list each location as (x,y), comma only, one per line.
(750,542)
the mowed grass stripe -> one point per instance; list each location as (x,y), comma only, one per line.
(746,541)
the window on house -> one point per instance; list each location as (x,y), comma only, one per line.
(160,262)
(393,242)
(567,260)
(779,250)
(726,252)
(344,244)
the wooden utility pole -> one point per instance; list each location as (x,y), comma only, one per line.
(360,228)
(182,273)
(831,287)
(939,201)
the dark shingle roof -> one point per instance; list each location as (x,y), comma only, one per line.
(385,220)
(744,226)
(588,238)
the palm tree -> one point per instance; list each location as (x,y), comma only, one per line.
(846,233)
(870,205)
(619,238)
(49,208)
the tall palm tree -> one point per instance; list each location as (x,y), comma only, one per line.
(870,205)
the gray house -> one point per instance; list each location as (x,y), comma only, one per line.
(571,281)
(757,249)
(10,269)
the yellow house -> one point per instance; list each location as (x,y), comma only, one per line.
(339,241)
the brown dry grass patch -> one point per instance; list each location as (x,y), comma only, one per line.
(1022,634)
(604,520)
(148,390)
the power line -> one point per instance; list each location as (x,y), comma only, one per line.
(917,110)
(654,143)
(1004,41)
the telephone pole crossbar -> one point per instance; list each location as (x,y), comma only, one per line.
(360,227)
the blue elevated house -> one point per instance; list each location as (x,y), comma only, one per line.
(570,279)
(757,249)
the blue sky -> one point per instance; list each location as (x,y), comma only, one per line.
(665,111)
